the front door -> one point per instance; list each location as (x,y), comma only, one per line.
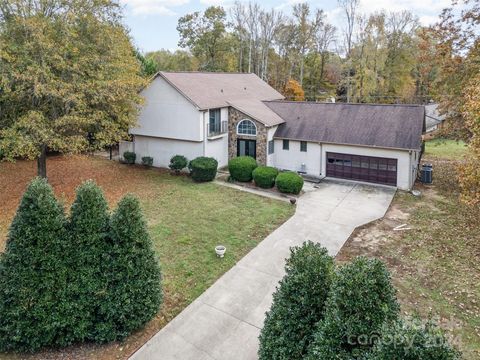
(247,148)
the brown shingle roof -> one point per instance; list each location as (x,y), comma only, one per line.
(258,111)
(209,90)
(389,126)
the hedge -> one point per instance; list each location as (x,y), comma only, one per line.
(89,278)
(361,302)
(289,182)
(264,176)
(241,168)
(129,157)
(298,304)
(203,168)
(178,163)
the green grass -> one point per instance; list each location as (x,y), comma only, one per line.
(188,220)
(439,273)
(435,265)
(446,149)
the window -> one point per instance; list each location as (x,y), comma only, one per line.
(303,146)
(271,147)
(286,144)
(246,127)
(214,124)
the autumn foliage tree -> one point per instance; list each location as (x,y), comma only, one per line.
(293,91)
(68,77)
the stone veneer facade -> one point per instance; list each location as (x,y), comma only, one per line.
(234,117)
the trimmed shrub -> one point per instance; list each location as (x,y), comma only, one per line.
(147,161)
(129,157)
(298,304)
(133,292)
(412,342)
(178,163)
(264,176)
(203,168)
(88,232)
(241,168)
(361,301)
(33,273)
(289,182)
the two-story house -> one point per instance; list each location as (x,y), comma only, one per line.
(223,115)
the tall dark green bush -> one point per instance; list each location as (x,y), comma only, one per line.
(361,301)
(413,341)
(178,163)
(264,176)
(133,292)
(289,182)
(33,274)
(88,232)
(298,304)
(203,168)
(241,168)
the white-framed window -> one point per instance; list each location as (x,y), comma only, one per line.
(246,127)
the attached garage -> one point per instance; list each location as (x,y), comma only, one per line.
(362,168)
(372,143)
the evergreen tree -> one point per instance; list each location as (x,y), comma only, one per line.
(88,231)
(361,302)
(298,304)
(134,291)
(33,273)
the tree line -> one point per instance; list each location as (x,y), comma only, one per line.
(372,58)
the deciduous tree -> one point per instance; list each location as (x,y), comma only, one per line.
(68,77)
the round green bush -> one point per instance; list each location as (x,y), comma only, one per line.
(298,304)
(147,161)
(289,182)
(264,176)
(361,302)
(413,341)
(241,168)
(129,157)
(203,168)
(178,162)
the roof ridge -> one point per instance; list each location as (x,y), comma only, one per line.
(208,72)
(341,103)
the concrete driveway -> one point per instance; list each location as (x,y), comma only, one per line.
(225,321)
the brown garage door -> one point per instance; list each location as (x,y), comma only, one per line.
(363,168)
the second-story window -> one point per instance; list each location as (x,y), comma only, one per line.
(246,127)
(215,123)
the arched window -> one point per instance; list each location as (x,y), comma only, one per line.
(246,127)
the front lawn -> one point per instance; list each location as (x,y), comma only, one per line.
(435,265)
(186,220)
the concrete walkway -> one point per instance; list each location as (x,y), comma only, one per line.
(225,321)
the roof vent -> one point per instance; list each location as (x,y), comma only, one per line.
(244,88)
(221,90)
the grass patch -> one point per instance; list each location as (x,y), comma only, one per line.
(186,221)
(445,149)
